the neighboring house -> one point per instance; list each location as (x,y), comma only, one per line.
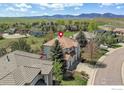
(89,36)
(22,68)
(107,27)
(119,31)
(37,33)
(24,31)
(71,50)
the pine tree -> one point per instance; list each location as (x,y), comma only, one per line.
(57,55)
(81,39)
(57,70)
(57,52)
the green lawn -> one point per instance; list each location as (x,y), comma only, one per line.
(35,42)
(6,42)
(71,82)
(100,53)
(74,82)
(116,46)
(66,34)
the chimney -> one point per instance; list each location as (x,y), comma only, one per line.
(7,58)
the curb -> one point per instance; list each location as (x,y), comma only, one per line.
(122,73)
(101,60)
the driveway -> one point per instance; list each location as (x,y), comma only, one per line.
(111,74)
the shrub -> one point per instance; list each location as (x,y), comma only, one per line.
(1,37)
(21,44)
(2,51)
(116,46)
(33,41)
(81,77)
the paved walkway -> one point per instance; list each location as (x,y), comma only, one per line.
(112,73)
(85,67)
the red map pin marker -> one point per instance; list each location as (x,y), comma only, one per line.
(60,34)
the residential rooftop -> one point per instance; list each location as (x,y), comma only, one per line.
(19,68)
(64,42)
(119,30)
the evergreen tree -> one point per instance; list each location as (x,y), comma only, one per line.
(57,52)
(57,55)
(81,39)
(21,44)
(57,70)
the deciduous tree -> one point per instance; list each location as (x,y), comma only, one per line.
(81,39)
(21,44)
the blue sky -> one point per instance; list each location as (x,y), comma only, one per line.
(20,9)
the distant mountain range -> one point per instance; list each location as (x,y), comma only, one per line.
(90,15)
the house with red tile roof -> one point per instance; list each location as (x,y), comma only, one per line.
(70,48)
(119,30)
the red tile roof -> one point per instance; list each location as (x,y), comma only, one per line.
(120,30)
(64,42)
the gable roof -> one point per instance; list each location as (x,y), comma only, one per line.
(120,30)
(19,68)
(64,42)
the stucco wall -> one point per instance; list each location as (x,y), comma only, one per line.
(47,51)
(70,61)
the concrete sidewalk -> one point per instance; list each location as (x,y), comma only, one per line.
(122,72)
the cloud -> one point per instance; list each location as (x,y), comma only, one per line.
(16,9)
(11,9)
(60,6)
(105,4)
(53,6)
(23,6)
(76,8)
(34,12)
(45,13)
(23,9)
(118,7)
(42,8)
